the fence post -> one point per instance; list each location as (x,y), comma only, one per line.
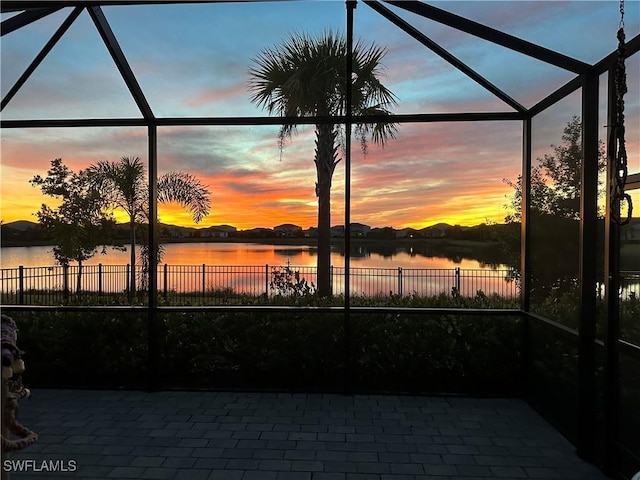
(165,281)
(266,280)
(458,280)
(204,285)
(127,284)
(65,283)
(21,285)
(400,281)
(330,279)
(99,280)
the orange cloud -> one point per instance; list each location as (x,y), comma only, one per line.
(428,174)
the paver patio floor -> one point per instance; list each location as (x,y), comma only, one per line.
(280,436)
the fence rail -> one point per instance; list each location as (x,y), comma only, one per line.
(211,284)
(217,284)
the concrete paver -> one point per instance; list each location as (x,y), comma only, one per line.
(281,436)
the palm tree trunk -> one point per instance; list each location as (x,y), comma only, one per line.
(132,273)
(325,165)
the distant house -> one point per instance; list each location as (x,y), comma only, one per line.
(288,230)
(337,231)
(435,231)
(384,233)
(258,232)
(631,231)
(312,232)
(227,228)
(406,233)
(179,232)
(20,230)
(357,230)
(221,231)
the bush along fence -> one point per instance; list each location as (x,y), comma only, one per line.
(219,284)
(293,349)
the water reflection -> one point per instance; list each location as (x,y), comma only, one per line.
(247,267)
(481,256)
(287,252)
(375,255)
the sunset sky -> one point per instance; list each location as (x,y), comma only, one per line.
(192,60)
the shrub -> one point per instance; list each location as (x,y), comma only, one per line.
(287,282)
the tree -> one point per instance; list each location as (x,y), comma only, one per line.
(307,76)
(556,180)
(124,186)
(79,225)
(554,211)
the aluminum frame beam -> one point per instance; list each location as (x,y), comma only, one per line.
(120,60)
(25,18)
(492,35)
(612,275)
(444,54)
(633,181)
(587,382)
(255,121)
(41,56)
(631,48)
(16,5)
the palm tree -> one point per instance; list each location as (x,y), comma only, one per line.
(307,76)
(124,186)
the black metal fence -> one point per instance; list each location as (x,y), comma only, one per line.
(218,284)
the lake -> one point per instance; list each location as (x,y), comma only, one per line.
(248,268)
(251,254)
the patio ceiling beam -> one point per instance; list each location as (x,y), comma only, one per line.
(120,60)
(437,49)
(492,35)
(18,5)
(257,121)
(633,181)
(41,56)
(25,18)
(355,119)
(631,47)
(566,89)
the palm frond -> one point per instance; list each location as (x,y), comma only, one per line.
(187,191)
(122,183)
(306,76)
